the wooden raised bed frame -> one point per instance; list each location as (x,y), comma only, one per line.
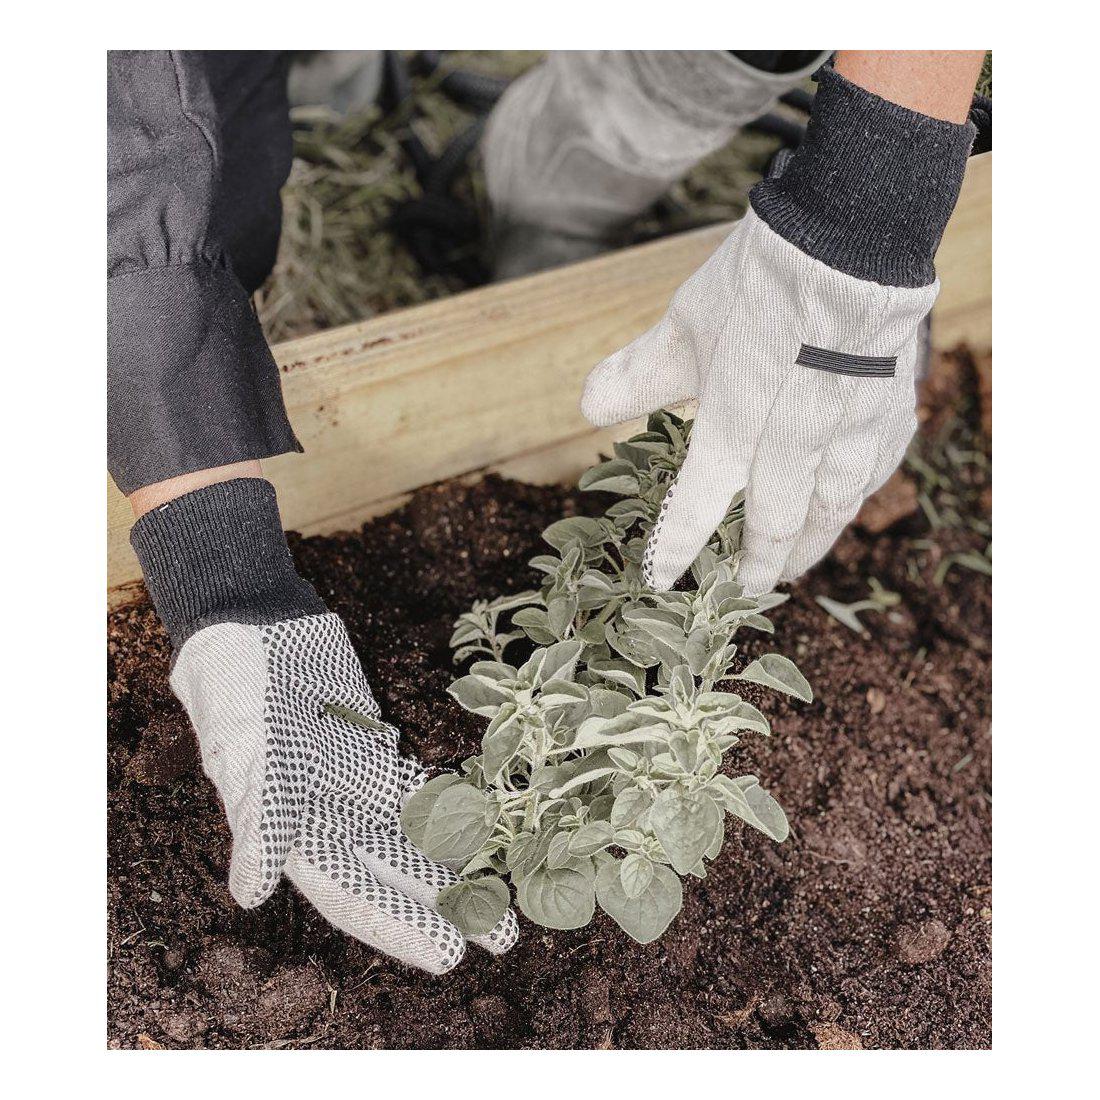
(491,379)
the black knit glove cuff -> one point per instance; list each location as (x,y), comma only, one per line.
(872,186)
(219,555)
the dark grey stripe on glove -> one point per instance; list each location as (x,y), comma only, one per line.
(841,362)
(219,555)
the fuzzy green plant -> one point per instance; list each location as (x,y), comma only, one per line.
(599,777)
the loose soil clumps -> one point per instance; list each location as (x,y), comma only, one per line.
(869,928)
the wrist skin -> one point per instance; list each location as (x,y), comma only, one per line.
(872,186)
(153,496)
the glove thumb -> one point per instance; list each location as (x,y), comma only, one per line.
(655,370)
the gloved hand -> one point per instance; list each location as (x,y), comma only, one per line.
(805,382)
(313,784)
(799,339)
(288,728)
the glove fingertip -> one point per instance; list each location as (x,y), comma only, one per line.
(440,964)
(502,938)
(800,561)
(657,574)
(757,578)
(597,405)
(248,889)
(660,581)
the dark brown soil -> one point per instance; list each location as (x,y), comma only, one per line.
(870,927)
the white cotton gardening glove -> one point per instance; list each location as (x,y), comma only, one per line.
(289,731)
(313,791)
(805,383)
(799,339)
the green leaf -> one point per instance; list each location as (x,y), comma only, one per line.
(560,613)
(697,650)
(560,661)
(765,813)
(717,840)
(630,839)
(640,449)
(460,823)
(599,809)
(364,721)
(630,804)
(662,626)
(545,563)
(501,742)
(563,897)
(634,645)
(616,476)
(704,565)
(684,822)
(746,716)
(772,599)
(509,603)
(579,780)
(547,779)
(681,686)
(592,633)
(746,799)
(561,693)
(842,613)
(465,651)
(626,512)
(464,631)
(479,694)
(761,623)
(475,906)
(626,729)
(636,874)
(775,671)
(685,749)
(646,916)
(626,760)
(414,814)
(527,853)
(558,854)
(493,670)
(483,861)
(588,532)
(666,424)
(534,623)
(591,838)
(607,703)
(619,672)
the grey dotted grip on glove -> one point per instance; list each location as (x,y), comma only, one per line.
(289,730)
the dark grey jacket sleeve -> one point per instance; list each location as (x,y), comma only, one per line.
(195,147)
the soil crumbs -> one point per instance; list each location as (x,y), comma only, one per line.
(869,928)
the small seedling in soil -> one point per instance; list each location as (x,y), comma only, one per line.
(598,780)
(848,613)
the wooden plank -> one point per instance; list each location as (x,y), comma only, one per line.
(964,309)
(490,379)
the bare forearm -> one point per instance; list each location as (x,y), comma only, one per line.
(938,83)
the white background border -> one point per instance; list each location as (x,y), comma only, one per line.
(1046,538)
